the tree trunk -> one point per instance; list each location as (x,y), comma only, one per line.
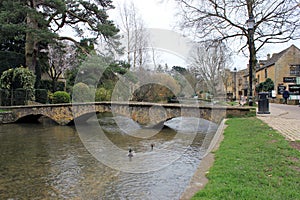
(30,52)
(31,45)
(54,85)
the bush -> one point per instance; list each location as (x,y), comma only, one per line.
(41,95)
(20,96)
(50,96)
(61,97)
(18,79)
(23,78)
(5,97)
(153,93)
(102,94)
(82,93)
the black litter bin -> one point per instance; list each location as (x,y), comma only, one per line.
(263,103)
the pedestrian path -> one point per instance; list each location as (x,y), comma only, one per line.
(285,119)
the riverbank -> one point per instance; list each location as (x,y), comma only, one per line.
(199,180)
(253,162)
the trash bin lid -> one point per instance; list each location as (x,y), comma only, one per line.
(263,95)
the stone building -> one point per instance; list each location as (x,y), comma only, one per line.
(242,83)
(282,68)
(237,88)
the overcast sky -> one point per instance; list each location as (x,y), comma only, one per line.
(162,15)
(156,15)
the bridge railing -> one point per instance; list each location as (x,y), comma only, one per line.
(22,96)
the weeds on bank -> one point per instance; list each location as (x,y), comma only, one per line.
(253,162)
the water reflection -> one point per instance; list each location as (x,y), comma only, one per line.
(45,161)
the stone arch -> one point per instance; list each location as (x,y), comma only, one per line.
(29,118)
(33,117)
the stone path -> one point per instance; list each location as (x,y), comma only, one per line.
(285,119)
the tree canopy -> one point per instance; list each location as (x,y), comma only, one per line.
(211,20)
(266,86)
(28,26)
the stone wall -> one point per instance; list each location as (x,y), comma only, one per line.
(6,117)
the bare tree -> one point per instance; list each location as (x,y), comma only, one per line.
(225,20)
(155,58)
(135,35)
(62,56)
(208,63)
(275,21)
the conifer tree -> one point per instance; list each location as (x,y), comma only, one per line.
(28,26)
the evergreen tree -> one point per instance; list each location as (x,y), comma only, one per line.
(27,26)
(12,35)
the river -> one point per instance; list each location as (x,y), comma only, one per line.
(47,161)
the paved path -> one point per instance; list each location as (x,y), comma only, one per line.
(285,119)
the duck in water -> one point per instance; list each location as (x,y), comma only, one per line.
(152,146)
(130,154)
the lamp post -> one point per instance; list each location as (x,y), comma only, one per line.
(234,82)
(251,23)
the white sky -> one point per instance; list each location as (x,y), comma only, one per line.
(162,15)
(156,15)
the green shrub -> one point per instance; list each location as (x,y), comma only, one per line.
(41,95)
(20,96)
(50,96)
(23,78)
(18,79)
(102,94)
(61,97)
(5,97)
(82,93)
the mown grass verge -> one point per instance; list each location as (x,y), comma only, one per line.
(253,162)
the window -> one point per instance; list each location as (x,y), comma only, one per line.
(295,70)
(266,73)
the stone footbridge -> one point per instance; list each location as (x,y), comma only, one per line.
(144,113)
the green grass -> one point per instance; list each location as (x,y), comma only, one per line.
(232,103)
(253,162)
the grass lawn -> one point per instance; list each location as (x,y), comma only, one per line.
(3,110)
(253,162)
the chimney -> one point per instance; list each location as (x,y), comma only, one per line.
(268,56)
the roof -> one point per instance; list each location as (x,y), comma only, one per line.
(275,57)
